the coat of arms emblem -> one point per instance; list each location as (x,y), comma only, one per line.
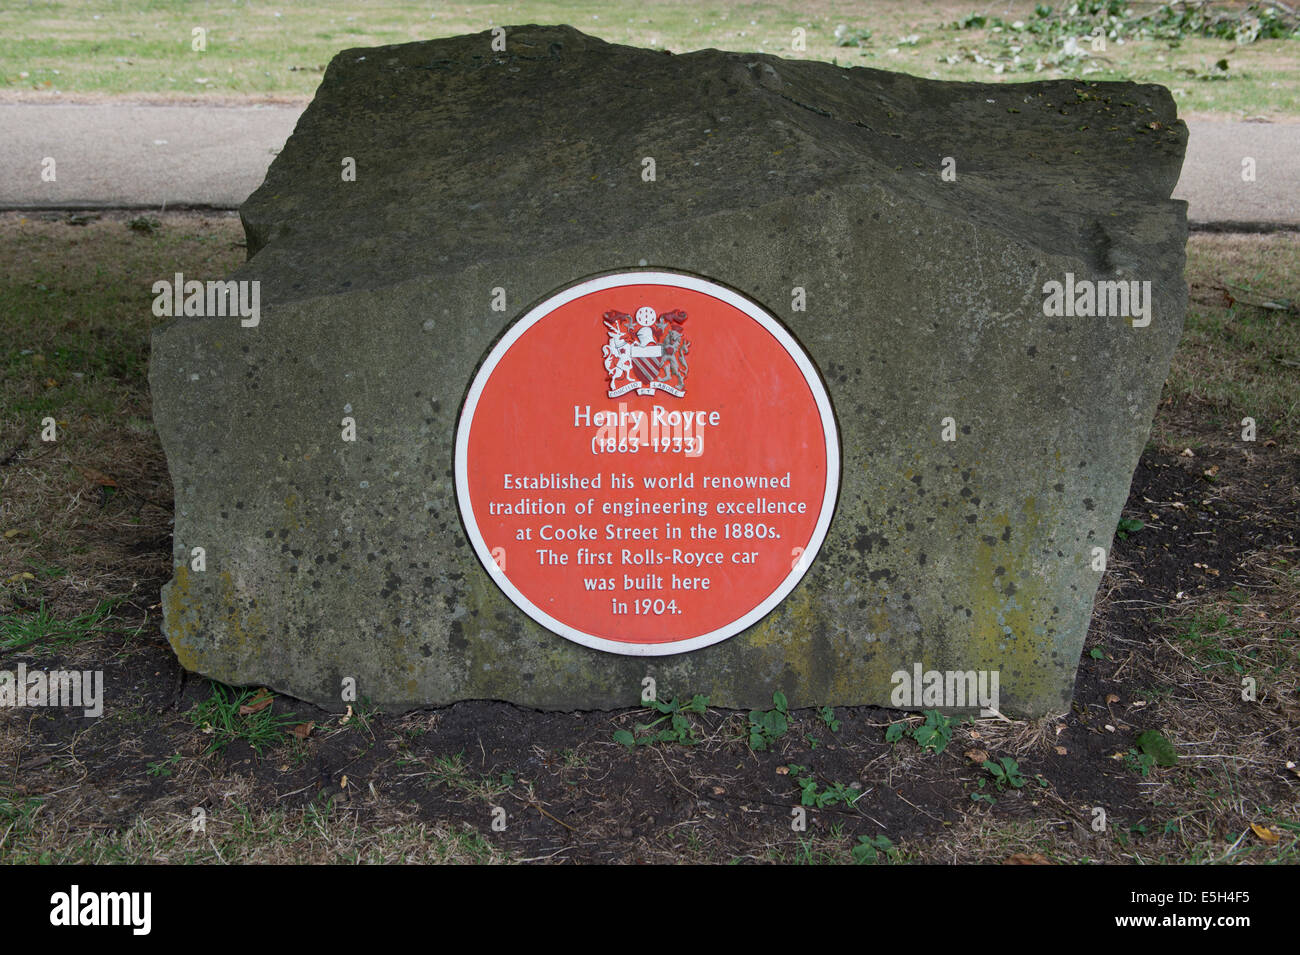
(646,353)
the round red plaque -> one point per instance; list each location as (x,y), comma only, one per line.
(647,463)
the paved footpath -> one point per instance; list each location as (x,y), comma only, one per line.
(140,156)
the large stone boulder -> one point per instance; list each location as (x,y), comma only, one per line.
(990,420)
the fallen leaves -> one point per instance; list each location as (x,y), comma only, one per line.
(96,477)
(1266,835)
(260,701)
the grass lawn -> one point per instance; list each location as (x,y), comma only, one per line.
(1201,594)
(92,48)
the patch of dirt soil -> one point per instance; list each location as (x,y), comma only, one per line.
(571,793)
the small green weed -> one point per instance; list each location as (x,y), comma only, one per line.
(360,716)
(573,759)
(40,629)
(45,571)
(873,849)
(1005,772)
(828,717)
(845,37)
(807,852)
(16,820)
(933,734)
(1138,762)
(1210,637)
(453,772)
(811,795)
(679,728)
(1155,745)
(220,716)
(767,726)
(1128,525)
(164,767)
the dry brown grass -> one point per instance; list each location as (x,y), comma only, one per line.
(78,545)
(1237,758)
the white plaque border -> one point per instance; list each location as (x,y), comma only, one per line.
(777,331)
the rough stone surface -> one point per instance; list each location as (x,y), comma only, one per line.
(522,169)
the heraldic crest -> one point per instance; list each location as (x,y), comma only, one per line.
(646,353)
